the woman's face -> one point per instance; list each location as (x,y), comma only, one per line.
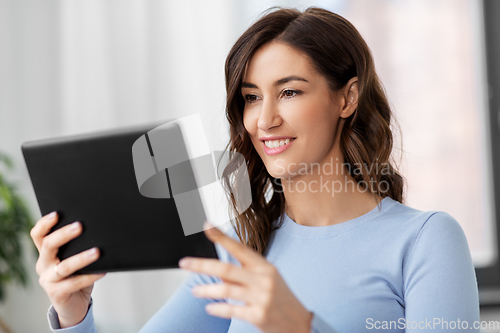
(286,98)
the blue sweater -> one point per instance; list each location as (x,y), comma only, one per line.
(395,269)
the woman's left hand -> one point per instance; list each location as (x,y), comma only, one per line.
(269,303)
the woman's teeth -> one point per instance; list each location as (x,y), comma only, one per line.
(276,143)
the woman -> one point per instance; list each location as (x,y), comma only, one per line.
(329,245)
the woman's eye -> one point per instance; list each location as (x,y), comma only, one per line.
(250,98)
(290,93)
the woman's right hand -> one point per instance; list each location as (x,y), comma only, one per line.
(70,295)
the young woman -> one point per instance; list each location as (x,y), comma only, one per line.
(327,244)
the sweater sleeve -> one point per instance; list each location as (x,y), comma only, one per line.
(86,326)
(440,286)
(185,313)
(318,325)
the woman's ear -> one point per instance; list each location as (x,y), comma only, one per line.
(349,98)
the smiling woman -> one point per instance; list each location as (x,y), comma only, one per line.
(327,244)
(303,105)
(313,73)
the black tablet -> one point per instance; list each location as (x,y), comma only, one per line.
(94,178)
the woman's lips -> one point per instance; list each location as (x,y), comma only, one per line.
(277,150)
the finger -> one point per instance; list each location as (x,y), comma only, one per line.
(224,290)
(76,283)
(226,271)
(72,264)
(243,253)
(42,228)
(226,310)
(52,243)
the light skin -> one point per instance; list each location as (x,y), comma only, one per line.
(70,296)
(284,95)
(268,302)
(307,109)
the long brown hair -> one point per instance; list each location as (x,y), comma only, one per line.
(338,52)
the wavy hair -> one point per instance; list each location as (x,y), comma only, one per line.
(339,53)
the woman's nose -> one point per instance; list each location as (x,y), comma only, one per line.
(269,116)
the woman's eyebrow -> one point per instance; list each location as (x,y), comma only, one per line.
(277,83)
(288,79)
(248,85)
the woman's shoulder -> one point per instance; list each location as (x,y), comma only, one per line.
(425,229)
(402,226)
(406,216)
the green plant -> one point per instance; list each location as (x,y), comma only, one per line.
(15,224)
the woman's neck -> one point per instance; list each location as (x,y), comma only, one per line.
(327,195)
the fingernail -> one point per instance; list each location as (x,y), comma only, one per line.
(184,263)
(74,226)
(92,252)
(210,308)
(52,215)
(196,290)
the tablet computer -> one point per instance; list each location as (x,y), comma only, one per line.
(95,178)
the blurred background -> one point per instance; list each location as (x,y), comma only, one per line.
(77,66)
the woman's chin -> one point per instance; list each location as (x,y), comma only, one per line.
(279,174)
